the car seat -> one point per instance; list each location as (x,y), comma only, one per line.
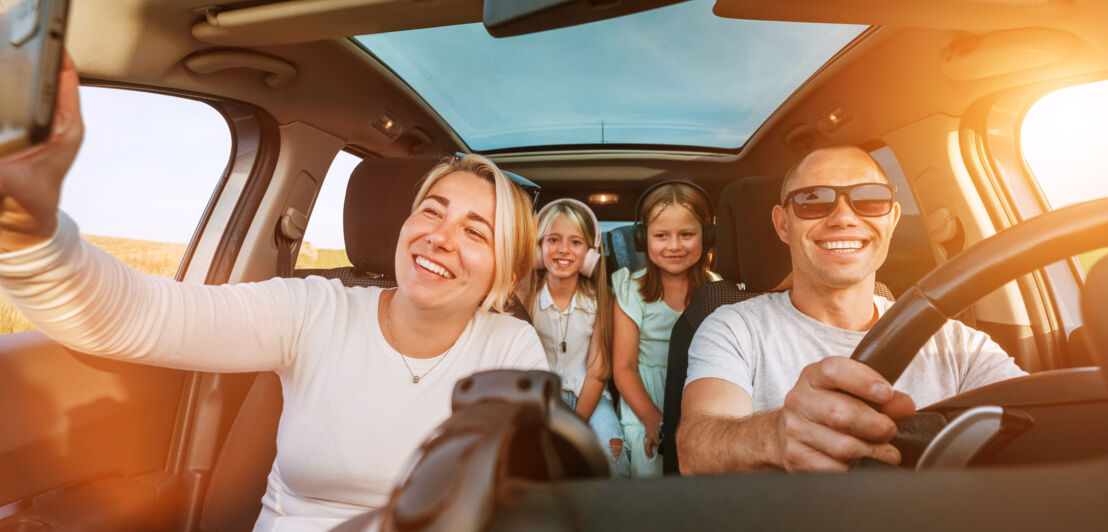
(620,242)
(752,261)
(378,200)
(747,249)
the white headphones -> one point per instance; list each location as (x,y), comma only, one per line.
(592,256)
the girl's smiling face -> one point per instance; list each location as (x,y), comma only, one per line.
(563,248)
(674,239)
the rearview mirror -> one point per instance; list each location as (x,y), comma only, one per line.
(506,18)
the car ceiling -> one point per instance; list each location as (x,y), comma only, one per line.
(959,51)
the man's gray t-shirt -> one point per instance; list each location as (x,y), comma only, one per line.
(763,343)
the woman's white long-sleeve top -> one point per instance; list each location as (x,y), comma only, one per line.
(352,415)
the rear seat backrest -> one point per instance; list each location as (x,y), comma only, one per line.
(747,247)
(621,249)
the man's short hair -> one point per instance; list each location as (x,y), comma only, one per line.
(791,173)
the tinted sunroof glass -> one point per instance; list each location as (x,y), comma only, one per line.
(677,75)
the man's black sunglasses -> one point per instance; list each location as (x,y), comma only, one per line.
(865,199)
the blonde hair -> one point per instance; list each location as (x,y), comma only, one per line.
(689,197)
(514,231)
(594,286)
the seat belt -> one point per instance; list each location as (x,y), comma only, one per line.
(290,229)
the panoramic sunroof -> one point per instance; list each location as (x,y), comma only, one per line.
(677,75)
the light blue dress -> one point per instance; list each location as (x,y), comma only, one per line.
(655,321)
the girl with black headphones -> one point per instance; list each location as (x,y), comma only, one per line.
(572,312)
(675,226)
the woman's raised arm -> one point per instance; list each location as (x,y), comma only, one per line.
(31,179)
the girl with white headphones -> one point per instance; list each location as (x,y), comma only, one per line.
(572,312)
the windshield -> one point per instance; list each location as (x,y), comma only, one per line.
(677,75)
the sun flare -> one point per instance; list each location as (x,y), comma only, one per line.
(1064,138)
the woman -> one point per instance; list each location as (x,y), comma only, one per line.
(366,373)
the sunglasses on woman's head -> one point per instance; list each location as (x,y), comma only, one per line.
(865,199)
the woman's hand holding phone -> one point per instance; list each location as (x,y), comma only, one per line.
(31,179)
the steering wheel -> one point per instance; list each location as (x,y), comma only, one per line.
(503,420)
(895,339)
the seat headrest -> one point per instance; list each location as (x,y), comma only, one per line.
(747,247)
(621,249)
(378,199)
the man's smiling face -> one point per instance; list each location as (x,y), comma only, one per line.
(843,248)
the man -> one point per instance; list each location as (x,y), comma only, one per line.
(771,384)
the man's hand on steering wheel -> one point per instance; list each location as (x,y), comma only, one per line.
(824,424)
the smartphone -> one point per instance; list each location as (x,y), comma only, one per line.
(32,37)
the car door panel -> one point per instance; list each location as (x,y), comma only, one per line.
(72,419)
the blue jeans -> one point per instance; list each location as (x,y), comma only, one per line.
(606,426)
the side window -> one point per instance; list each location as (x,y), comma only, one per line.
(143,177)
(910,256)
(324,246)
(1062,139)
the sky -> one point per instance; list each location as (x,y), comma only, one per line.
(1064,138)
(673,75)
(148,165)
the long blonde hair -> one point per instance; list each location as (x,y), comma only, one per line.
(513,225)
(594,286)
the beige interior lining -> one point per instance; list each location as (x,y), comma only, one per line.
(311,20)
(974,15)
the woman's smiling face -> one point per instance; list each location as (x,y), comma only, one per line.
(444,257)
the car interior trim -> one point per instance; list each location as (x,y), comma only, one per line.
(972,15)
(255,158)
(294,21)
(279,72)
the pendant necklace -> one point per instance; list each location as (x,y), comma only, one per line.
(565,331)
(404,359)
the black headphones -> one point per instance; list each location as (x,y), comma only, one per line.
(709,228)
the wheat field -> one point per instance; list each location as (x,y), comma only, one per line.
(160,258)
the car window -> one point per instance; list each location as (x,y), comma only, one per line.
(910,256)
(676,75)
(324,244)
(1062,139)
(145,173)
